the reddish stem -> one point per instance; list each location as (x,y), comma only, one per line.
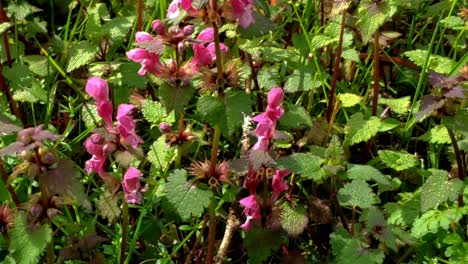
(8,186)
(139,15)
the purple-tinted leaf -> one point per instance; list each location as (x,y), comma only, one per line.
(259,158)
(239,166)
(154,46)
(455,92)
(429,104)
(7,126)
(64,181)
(14,148)
(440,80)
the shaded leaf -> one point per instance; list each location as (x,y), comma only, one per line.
(437,63)
(108,208)
(175,98)
(295,116)
(397,160)
(81,54)
(305,164)
(293,220)
(360,129)
(398,105)
(301,80)
(160,154)
(155,113)
(429,104)
(260,27)
(260,242)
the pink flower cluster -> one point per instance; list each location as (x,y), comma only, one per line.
(265,130)
(266,126)
(102,145)
(148,54)
(241,10)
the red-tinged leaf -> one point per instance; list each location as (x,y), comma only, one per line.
(7,126)
(16,147)
(259,158)
(441,80)
(154,46)
(429,104)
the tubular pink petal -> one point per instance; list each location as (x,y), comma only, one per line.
(98,89)
(143,36)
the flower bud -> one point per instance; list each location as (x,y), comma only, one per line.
(97,139)
(25,138)
(188,30)
(109,148)
(165,128)
(174,30)
(36,210)
(26,155)
(48,158)
(158,27)
(180,46)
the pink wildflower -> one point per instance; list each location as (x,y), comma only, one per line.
(251,210)
(242,10)
(278,184)
(173,11)
(204,53)
(126,125)
(131,185)
(99,90)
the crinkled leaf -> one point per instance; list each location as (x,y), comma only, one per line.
(293,220)
(274,54)
(453,22)
(268,78)
(360,129)
(81,54)
(305,164)
(26,243)
(155,113)
(397,105)
(108,208)
(436,62)
(187,198)
(38,64)
(397,160)
(372,15)
(260,242)
(437,135)
(36,92)
(21,9)
(295,116)
(357,194)
(4,26)
(128,76)
(349,99)
(175,98)
(438,189)
(351,54)
(458,122)
(349,249)
(160,154)
(118,28)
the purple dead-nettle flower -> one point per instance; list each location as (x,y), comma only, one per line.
(174,8)
(242,10)
(279,184)
(106,141)
(204,52)
(29,139)
(251,211)
(131,185)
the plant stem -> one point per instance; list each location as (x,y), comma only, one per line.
(211,231)
(125,221)
(139,14)
(458,156)
(336,69)
(50,252)
(214,150)
(353,216)
(232,224)
(8,185)
(375,95)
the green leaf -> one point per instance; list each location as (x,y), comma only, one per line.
(26,243)
(351,54)
(118,28)
(187,198)
(305,164)
(227,112)
(398,105)
(155,113)
(357,194)
(274,54)
(21,9)
(81,54)
(437,63)
(128,76)
(372,15)
(175,98)
(405,210)
(437,135)
(360,129)
(93,29)
(268,77)
(432,220)
(349,249)
(160,154)
(397,160)
(438,189)
(293,220)
(35,93)
(295,116)
(378,227)
(108,208)
(38,65)
(453,22)
(89,116)
(4,26)
(301,80)
(260,242)
(367,173)
(349,99)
